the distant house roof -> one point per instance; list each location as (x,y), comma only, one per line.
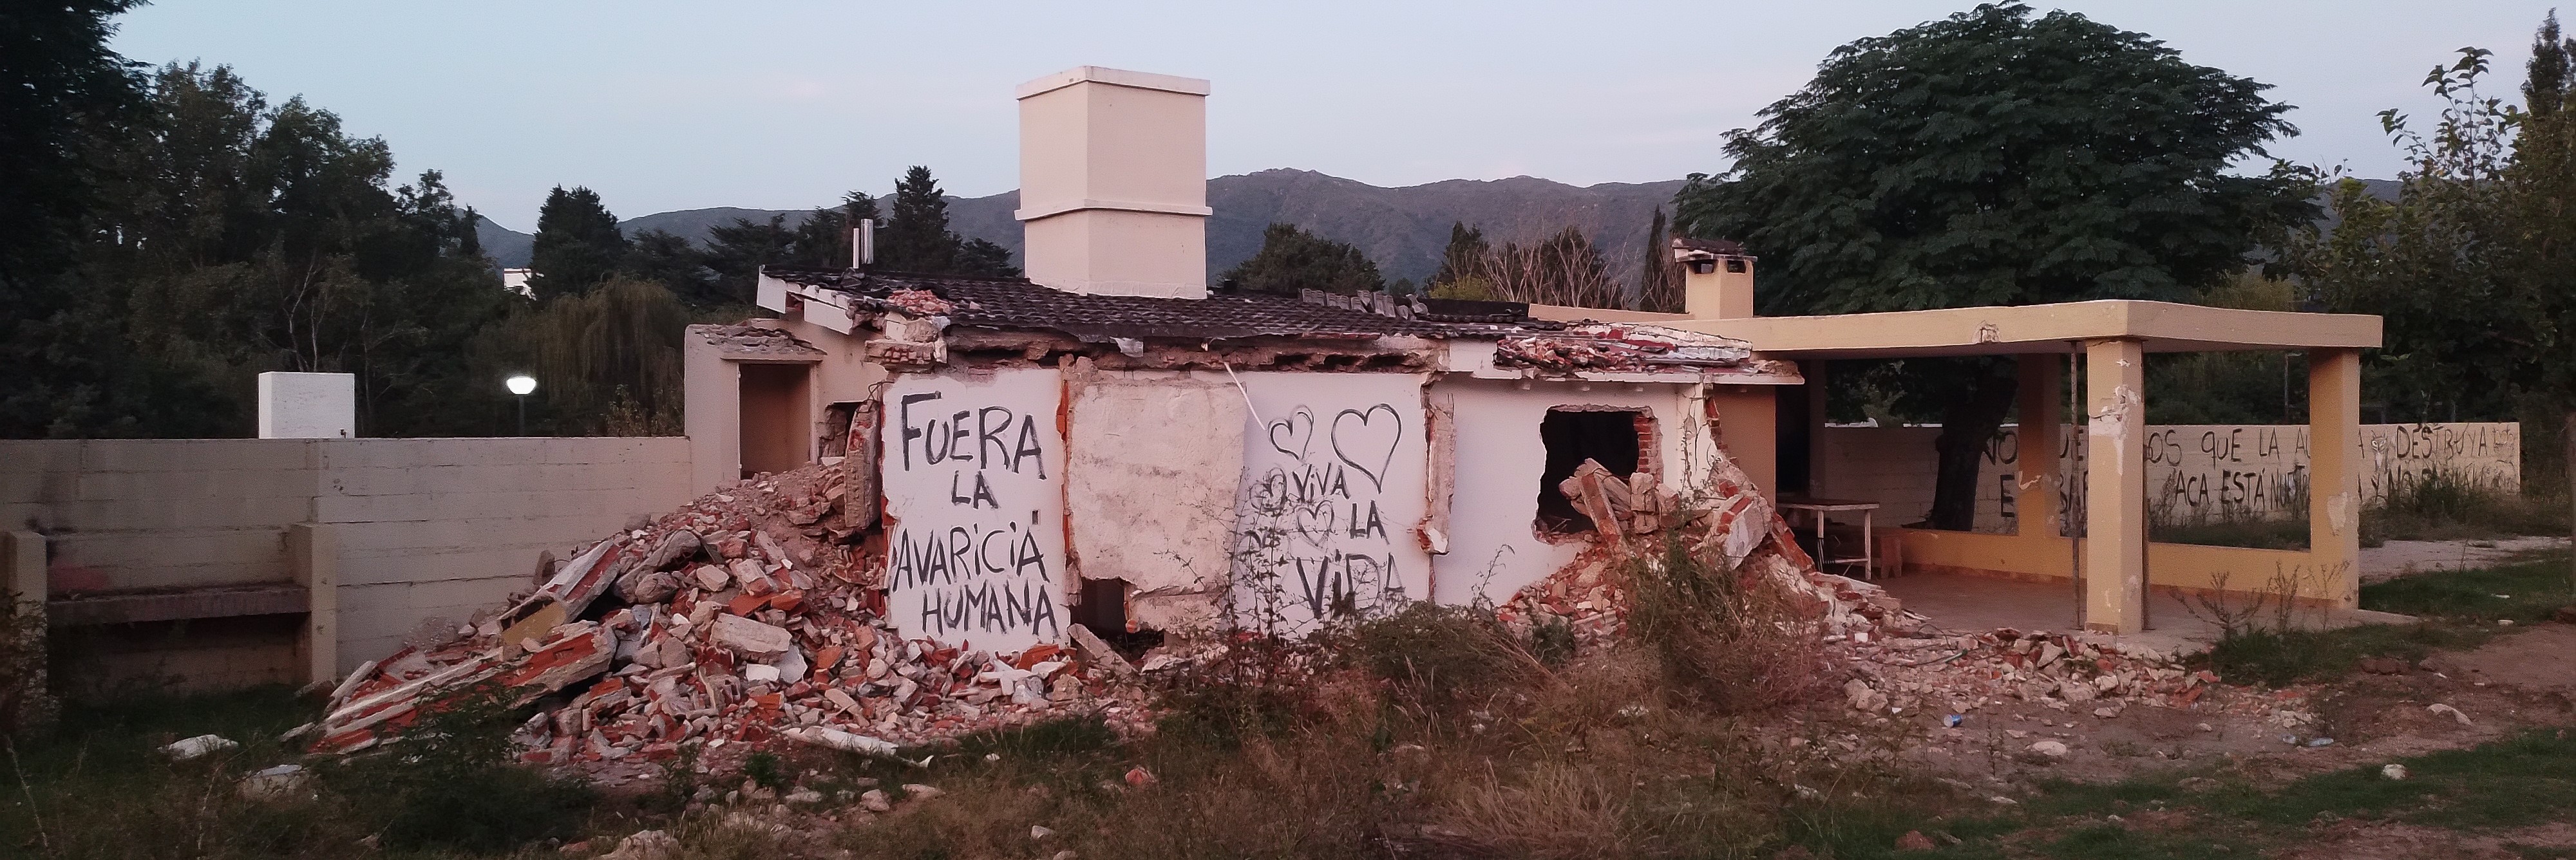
(1019,305)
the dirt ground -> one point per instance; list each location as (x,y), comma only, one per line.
(2401,557)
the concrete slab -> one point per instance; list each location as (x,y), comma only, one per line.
(2175,621)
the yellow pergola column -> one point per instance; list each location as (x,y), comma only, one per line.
(2334,476)
(2115,492)
(2035,481)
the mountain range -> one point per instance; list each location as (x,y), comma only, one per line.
(1402,229)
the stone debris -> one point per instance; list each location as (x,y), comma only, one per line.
(645,845)
(748,616)
(2392,771)
(277,783)
(1628,347)
(1728,520)
(2454,712)
(198,747)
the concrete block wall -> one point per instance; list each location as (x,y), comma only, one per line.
(425,528)
(443,527)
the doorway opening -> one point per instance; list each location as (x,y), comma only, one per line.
(776,431)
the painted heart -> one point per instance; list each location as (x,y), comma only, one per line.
(1366,441)
(1294,434)
(1315,524)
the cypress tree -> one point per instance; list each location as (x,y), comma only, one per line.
(577,243)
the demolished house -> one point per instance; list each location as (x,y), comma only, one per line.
(1111,442)
(929,498)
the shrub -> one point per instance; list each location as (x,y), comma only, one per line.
(1732,640)
(1439,655)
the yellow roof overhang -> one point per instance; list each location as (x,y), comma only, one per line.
(2161,326)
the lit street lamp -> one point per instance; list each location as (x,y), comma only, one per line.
(522,385)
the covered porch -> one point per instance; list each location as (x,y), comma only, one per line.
(2111,579)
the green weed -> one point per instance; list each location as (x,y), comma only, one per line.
(2520,591)
(2523,780)
(2278,658)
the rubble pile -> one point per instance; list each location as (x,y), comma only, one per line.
(742,617)
(2060,671)
(1627,347)
(1728,518)
(1900,664)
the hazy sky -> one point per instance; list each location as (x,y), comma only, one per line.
(663,106)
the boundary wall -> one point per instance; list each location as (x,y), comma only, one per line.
(2195,472)
(373,536)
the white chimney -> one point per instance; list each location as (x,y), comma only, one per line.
(1113,182)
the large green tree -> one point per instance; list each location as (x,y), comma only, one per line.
(1292,259)
(916,238)
(577,244)
(1997,157)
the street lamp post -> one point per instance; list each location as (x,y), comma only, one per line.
(522,385)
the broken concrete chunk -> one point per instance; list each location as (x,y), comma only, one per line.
(745,572)
(559,664)
(2051,749)
(198,747)
(1097,653)
(645,845)
(647,585)
(832,738)
(676,549)
(710,577)
(753,639)
(276,783)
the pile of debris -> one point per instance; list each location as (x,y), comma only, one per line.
(1726,518)
(1626,347)
(2060,671)
(1900,665)
(742,617)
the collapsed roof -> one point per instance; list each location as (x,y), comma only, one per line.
(1524,345)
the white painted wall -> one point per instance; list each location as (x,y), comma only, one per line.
(974,480)
(1154,464)
(1335,486)
(308,405)
(1494,548)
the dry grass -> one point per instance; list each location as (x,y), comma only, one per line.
(1432,732)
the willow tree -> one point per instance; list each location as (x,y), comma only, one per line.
(1997,157)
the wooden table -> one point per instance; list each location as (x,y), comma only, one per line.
(1818,508)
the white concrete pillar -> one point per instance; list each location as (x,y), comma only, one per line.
(308,405)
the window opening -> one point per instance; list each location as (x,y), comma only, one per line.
(1608,436)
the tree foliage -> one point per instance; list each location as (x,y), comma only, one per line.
(2472,266)
(1292,259)
(577,244)
(916,238)
(1565,268)
(1995,157)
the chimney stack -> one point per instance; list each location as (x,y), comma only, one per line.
(1718,278)
(1113,182)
